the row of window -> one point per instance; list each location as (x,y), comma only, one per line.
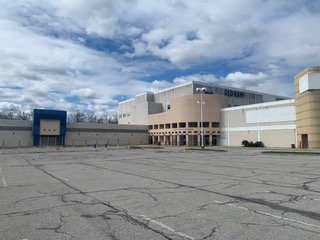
(184,125)
(180,132)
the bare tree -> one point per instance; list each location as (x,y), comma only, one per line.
(91,117)
(24,116)
(113,118)
(7,115)
(77,117)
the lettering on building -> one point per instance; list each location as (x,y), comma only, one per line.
(233,93)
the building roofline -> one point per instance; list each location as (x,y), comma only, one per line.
(307,70)
(266,104)
(204,84)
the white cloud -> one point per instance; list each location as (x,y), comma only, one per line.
(160,84)
(209,78)
(86,93)
(48,49)
(246,80)
(8,106)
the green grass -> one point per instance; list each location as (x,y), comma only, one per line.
(205,149)
(293,152)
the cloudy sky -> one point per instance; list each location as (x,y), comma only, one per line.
(91,54)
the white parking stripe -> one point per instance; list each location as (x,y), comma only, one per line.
(288,219)
(166,227)
(271,215)
(3,179)
(62,178)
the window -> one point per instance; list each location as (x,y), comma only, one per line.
(120,115)
(155,126)
(218,90)
(167,125)
(174,125)
(192,124)
(182,125)
(150,127)
(205,124)
(215,124)
(161,126)
(168,107)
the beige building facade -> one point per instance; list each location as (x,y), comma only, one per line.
(229,115)
(182,124)
(188,114)
(307,103)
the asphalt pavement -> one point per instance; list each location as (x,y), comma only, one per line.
(159,193)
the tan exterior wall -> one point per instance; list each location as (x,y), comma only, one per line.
(278,138)
(308,112)
(237,137)
(185,110)
(49,127)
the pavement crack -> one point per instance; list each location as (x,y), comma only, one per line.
(120,212)
(272,205)
(57,229)
(213,231)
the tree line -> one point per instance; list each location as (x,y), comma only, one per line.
(91,117)
(77,116)
(11,115)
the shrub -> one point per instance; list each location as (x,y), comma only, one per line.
(246,143)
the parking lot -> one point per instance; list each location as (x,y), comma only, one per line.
(159,193)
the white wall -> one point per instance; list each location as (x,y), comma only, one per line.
(272,123)
(13,132)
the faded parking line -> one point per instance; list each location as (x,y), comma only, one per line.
(160,224)
(57,176)
(3,179)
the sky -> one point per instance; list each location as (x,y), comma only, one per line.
(81,55)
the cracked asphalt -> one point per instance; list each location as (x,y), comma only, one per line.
(164,193)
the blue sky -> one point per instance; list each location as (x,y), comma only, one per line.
(89,55)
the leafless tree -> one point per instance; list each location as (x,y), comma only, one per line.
(24,116)
(92,117)
(7,115)
(76,117)
(113,118)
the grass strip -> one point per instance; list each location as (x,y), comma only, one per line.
(206,149)
(289,152)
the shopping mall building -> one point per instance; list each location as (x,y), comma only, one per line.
(197,113)
(193,114)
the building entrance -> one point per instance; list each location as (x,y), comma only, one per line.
(304,140)
(49,140)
